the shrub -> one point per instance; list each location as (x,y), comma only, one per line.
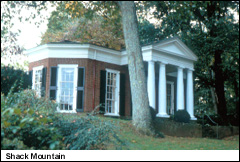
(28,121)
(153,113)
(182,116)
(9,76)
(87,133)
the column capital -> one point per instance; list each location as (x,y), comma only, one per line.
(151,61)
(163,62)
(180,67)
(190,69)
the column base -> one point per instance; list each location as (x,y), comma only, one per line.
(193,118)
(163,115)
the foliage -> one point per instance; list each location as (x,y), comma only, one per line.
(67,23)
(211,30)
(87,133)
(204,120)
(86,26)
(153,113)
(9,76)
(148,32)
(15,144)
(182,116)
(28,120)
(12,11)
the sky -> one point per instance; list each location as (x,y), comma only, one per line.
(30,35)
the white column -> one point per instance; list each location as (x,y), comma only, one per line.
(180,89)
(162,97)
(190,95)
(151,84)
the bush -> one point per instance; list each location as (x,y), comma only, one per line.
(233,119)
(153,113)
(27,120)
(87,133)
(9,76)
(182,116)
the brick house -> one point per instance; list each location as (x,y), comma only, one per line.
(82,76)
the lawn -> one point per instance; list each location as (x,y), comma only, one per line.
(136,141)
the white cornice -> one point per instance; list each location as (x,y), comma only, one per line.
(73,50)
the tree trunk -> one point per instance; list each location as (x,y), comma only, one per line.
(219,86)
(213,94)
(142,120)
(214,100)
(236,88)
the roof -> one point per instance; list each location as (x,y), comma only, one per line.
(123,49)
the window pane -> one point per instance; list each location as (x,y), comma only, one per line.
(66,88)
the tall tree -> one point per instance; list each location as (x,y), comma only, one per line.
(141,112)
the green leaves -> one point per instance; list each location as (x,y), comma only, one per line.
(11,76)
(87,132)
(28,120)
(206,27)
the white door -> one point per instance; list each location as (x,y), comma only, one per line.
(112,92)
(67,88)
(170,98)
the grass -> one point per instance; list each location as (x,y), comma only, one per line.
(135,141)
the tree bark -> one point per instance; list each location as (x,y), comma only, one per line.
(142,120)
(213,94)
(212,9)
(214,100)
(236,88)
(219,86)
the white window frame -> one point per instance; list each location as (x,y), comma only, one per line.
(33,79)
(59,78)
(172,95)
(117,93)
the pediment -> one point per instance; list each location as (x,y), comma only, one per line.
(175,47)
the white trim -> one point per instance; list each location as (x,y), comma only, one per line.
(75,66)
(117,93)
(111,114)
(89,51)
(112,71)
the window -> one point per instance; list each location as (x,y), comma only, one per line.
(112,92)
(37,80)
(67,88)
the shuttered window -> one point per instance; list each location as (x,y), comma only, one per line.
(80,89)
(43,88)
(102,90)
(53,83)
(122,94)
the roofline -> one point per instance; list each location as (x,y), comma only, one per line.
(71,44)
(87,43)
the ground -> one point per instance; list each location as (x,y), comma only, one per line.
(136,141)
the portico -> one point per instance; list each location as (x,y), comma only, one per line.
(170,60)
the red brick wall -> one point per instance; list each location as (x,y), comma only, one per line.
(89,79)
